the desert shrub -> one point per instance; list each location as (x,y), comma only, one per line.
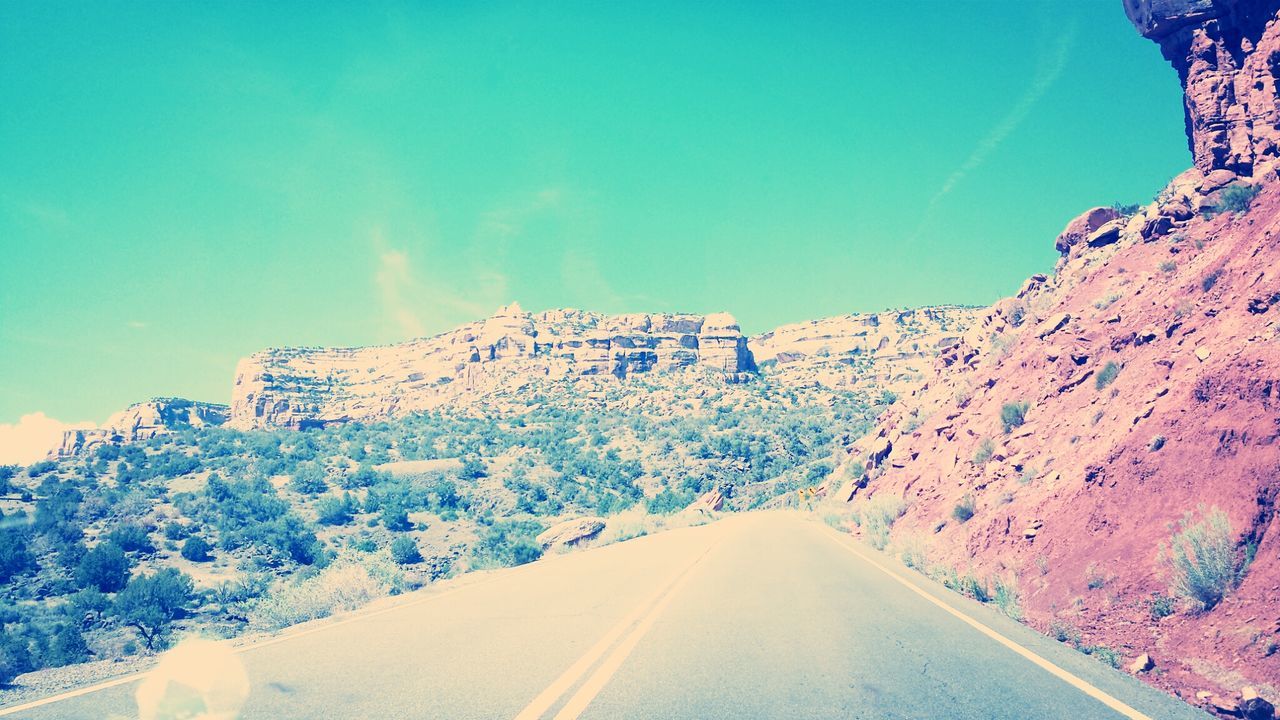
(985,450)
(1125,209)
(1094,579)
(1013,414)
(404,551)
(175,531)
(1161,606)
(196,549)
(344,585)
(1211,279)
(878,517)
(15,557)
(1202,560)
(975,588)
(1102,654)
(308,479)
(510,542)
(332,510)
(150,604)
(66,647)
(472,469)
(1237,198)
(394,517)
(42,467)
(1106,375)
(1168,266)
(131,538)
(965,509)
(1005,595)
(105,567)
(669,501)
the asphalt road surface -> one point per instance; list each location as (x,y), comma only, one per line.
(764,615)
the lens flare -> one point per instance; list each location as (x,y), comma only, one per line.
(197,680)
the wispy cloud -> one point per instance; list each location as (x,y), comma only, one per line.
(32,437)
(1050,69)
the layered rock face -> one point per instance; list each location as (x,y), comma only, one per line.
(298,388)
(1227,53)
(143,421)
(891,350)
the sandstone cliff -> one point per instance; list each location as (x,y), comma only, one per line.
(143,421)
(301,387)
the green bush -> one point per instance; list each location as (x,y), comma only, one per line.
(150,604)
(1237,198)
(1202,560)
(404,551)
(985,450)
(965,509)
(332,510)
(105,567)
(132,538)
(1106,375)
(1013,415)
(196,549)
(15,557)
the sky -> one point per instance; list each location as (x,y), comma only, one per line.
(186,183)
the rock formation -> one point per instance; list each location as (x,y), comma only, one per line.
(143,421)
(1227,54)
(301,387)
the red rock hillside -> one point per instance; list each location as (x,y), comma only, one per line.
(1150,369)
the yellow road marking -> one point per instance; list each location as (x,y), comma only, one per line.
(603,674)
(548,697)
(1067,677)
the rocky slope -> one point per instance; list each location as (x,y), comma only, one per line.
(1058,449)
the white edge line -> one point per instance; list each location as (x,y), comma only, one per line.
(1071,679)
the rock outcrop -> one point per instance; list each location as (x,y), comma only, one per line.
(891,350)
(143,421)
(302,387)
(1227,54)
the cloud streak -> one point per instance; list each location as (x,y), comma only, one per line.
(1051,67)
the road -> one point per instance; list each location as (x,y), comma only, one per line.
(765,615)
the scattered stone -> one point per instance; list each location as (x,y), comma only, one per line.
(1203,353)
(1141,664)
(1052,325)
(571,532)
(1084,226)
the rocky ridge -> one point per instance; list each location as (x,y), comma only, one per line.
(498,356)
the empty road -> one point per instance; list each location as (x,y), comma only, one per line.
(764,615)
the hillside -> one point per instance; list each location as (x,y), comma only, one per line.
(1130,396)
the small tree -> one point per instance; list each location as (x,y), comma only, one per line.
(196,549)
(105,567)
(405,551)
(150,604)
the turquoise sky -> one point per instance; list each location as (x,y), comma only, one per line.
(183,184)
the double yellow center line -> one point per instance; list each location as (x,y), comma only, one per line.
(638,622)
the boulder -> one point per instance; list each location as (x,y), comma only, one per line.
(1052,325)
(1083,226)
(1105,235)
(571,532)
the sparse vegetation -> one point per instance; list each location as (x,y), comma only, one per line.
(1202,559)
(404,551)
(1013,415)
(1208,281)
(877,519)
(1237,198)
(984,452)
(1106,375)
